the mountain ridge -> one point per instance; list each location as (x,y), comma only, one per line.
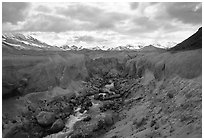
(191,43)
(27,42)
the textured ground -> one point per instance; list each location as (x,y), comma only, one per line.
(167,109)
(155,94)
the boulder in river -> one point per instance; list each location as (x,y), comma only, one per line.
(105,119)
(88,118)
(112,97)
(99,96)
(57,126)
(45,118)
(108,119)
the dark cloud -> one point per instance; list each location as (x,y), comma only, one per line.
(143,25)
(153,3)
(146,23)
(185,12)
(88,39)
(143,21)
(55,23)
(50,23)
(14,11)
(81,12)
(134,5)
(44,9)
(99,18)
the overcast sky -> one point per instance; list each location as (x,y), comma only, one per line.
(108,24)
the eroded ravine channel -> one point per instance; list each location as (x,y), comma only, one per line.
(67,117)
(110,105)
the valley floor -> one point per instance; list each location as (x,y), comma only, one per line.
(115,108)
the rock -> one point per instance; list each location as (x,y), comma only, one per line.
(170,95)
(88,118)
(109,86)
(107,105)
(87,102)
(113,73)
(57,126)
(92,91)
(157,110)
(14,121)
(84,129)
(24,130)
(11,132)
(156,126)
(73,101)
(96,96)
(82,110)
(80,99)
(109,119)
(45,118)
(102,96)
(112,97)
(105,119)
(139,121)
(99,96)
(23,82)
(152,123)
(67,109)
(104,90)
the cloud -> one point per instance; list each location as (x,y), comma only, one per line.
(14,11)
(187,12)
(153,3)
(43,9)
(103,23)
(166,17)
(134,5)
(88,39)
(145,24)
(52,23)
(99,18)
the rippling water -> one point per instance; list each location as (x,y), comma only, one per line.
(94,110)
(69,124)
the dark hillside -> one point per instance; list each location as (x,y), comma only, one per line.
(191,43)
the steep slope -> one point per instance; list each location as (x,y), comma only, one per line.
(170,109)
(25,74)
(191,43)
(164,64)
(25,42)
(186,64)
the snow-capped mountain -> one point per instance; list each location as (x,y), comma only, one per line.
(165,45)
(72,47)
(126,47)
(76,48)
(96,48)
(20,41)
(139,46)
(27,42)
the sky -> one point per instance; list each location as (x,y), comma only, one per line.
(103,24)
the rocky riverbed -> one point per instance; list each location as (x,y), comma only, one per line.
(116,107)
(91,110)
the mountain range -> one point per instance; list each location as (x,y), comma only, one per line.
(27,42)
